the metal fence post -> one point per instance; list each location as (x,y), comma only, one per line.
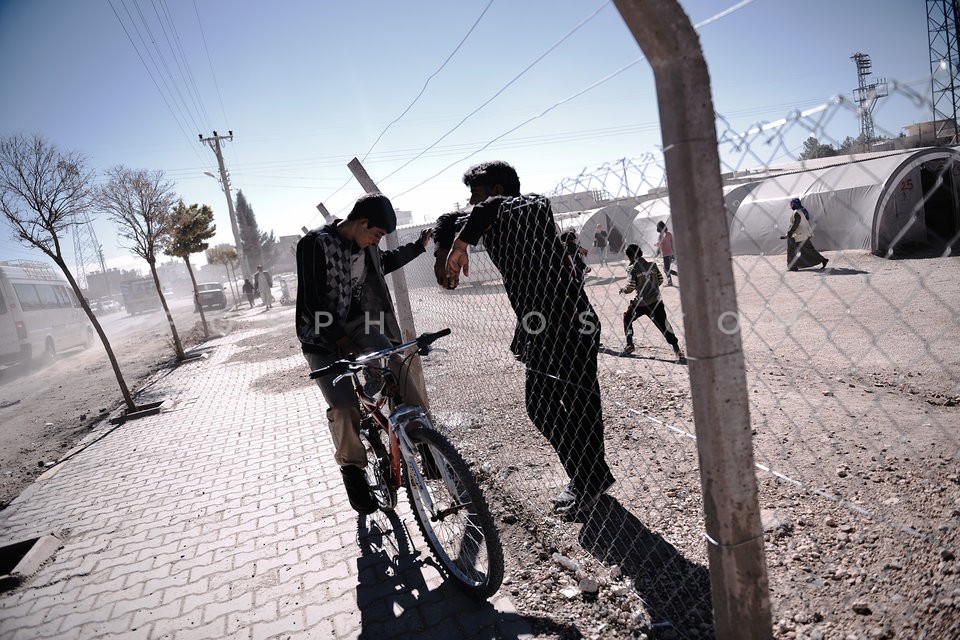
(738,574)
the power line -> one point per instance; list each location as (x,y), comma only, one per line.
(175,91)
(708,21)
(153,79)
(216,85)
(422,90)
(172,37)
(502,89)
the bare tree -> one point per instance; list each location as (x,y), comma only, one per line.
(43,193)
(190,228)
(139,203)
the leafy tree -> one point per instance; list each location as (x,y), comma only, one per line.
(139,203)
(268,249)
(227,256)
(249,231)
(258,247)
(813,149)
(43,193)
(190,228)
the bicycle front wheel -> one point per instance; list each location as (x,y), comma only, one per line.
(452,514)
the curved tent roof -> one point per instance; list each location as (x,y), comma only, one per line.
(878,204)
(644,228)
(615,218)
(653,211)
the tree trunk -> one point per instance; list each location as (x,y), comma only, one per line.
(233,288)
(127,398)
(196,298)
(177,346)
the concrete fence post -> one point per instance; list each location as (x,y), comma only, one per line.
(738,573)
(401,294)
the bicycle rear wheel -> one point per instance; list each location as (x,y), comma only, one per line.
(378,468)
(457,525)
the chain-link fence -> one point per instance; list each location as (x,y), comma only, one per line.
(851,354)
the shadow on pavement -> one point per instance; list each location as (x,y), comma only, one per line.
(675,590)
(842,271)
(395,601)
(637,356)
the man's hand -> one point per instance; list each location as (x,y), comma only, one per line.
(457,261)
(425,236)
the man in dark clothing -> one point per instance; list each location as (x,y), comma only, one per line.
(600,243)
(645,280)
(574,253)
(344,307)
(557,334)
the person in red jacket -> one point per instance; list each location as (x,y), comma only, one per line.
(665,249)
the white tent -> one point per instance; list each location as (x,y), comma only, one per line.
(644,228)
(615,218)
(887,204)
(649,213)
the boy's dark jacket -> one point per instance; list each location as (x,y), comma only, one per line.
(312,267)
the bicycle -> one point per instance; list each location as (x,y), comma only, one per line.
(446,500)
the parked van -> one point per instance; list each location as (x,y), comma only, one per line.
(39,313)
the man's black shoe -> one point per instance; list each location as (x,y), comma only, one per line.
(358,491)
(573,502)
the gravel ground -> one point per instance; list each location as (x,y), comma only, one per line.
(854,386)
(853,381)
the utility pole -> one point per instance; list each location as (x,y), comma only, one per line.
(214,143)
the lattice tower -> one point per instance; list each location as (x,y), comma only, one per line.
(943,18)
(87,251)
(866,94)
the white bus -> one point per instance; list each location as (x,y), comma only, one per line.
(39,313)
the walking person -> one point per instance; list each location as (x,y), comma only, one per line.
(248,290)
(801,253)
(557,332)
(263,282)
(665,249)
(344,308)
(600,238)
(645,280)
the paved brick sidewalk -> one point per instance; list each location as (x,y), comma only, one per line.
(224,517)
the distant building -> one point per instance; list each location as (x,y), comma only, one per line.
(580,201)
(106,285)
(931,134)
(285,258)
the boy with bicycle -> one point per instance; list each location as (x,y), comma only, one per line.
(344,307)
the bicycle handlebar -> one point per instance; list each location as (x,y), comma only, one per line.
(421,342)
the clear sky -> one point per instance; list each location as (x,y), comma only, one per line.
(415,89)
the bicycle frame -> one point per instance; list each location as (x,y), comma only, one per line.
(393,426)
(446,501)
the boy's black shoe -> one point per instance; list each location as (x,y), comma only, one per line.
(358,491)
